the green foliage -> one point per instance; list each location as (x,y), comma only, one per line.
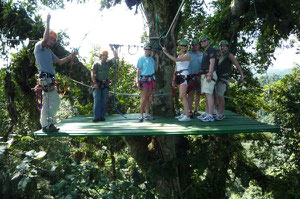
(123,75)
(221,166)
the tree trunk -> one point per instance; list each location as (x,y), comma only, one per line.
(158,153)
(162,12)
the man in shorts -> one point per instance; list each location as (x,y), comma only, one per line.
(208,78)
(224,67)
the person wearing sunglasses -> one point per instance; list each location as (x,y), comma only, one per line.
(208,78)
(180,77)
(145,80)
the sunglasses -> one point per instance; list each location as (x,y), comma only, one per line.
(203,40)
(147,49)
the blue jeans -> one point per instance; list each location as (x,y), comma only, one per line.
(100,96)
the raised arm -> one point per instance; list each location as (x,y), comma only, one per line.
(237,65)
(46,33)
(186,57)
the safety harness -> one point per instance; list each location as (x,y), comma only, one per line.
(46,82)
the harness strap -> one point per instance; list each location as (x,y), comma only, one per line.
(194,84)
(150,82)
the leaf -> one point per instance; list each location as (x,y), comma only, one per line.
(53,168)
(2,149)
(23,183)
(33,171)
(10,142)
(27,138)
(16,176)
(23,166)
(30,153)
(40,154)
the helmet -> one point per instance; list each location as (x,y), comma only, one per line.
(53,34)
(183,42)
(204,37)
(223,42)
(217,48)
(147,45)
(104,52)
(195,41)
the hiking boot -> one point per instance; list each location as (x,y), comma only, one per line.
(149,117)
(51,129)
(208,118)
(220,117)
(184,119)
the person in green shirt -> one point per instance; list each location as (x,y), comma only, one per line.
(100,83)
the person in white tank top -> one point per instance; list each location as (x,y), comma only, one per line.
(182,65)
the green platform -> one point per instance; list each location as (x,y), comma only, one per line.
(116,125)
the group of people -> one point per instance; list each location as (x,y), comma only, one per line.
(197,72)
(203,72)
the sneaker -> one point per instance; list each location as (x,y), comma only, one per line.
(141,119)
(203,115)
(149,117)
(180,116)
(220,117)
(51,129)
(184,119)
(208,118)
(96,120)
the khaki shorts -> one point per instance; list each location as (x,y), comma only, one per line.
(208,87)
(221,87)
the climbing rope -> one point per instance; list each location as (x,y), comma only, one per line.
(157,25)
(66,86)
